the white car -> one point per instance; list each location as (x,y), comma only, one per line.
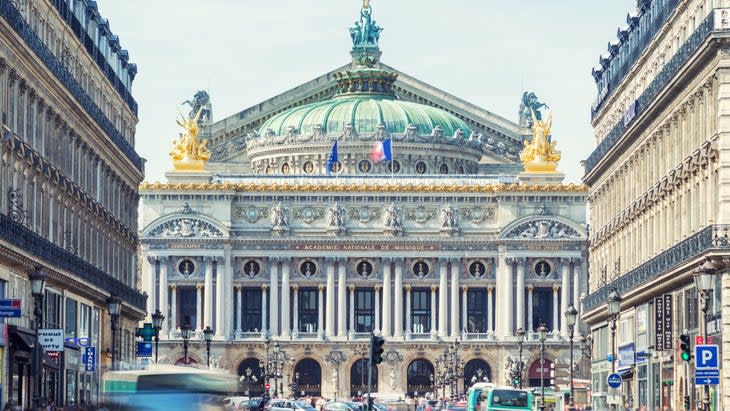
(231,403)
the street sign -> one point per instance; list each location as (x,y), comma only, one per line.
(613,380)
(699,340)
(707,372)
(90,359)
(146,332)
(10,308)
(144,349)
(51,339)
(708,381)
(706,356)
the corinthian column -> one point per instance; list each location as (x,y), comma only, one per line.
(352,310)
(490,310)
(198,307)
(320,311)
(555,308)
(208,290)
(162,297)
(409,325)
(330,327)
(398,291)
(530,327)
(295,312)
(376,326)
(504,297)
(564,295)
(342,299)
(433,311)
(576,285)
(443,296)
(264,315)
(385,329)
(239,309)
(520,291)
(274,286)
(173,306)
(455,273)
(285,293)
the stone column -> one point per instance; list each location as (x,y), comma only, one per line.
(173,306)
(398,291)
(342,299)
(274,296)
(385,329)
(504,297)
(352,310)
(208,296)
(330,326)
(530,327)
(565,295)
(376,326)
(320,311)
(409,325)
(198,307)
(443,297)
(464,313)
(220,295)
(162,298)
(490,309)
(520,291)
(455,273)
(576,285)
(555,308)
(264,312)
(239,309)
(295,312)
(433,311)
(227,262)
(285,293)
(149,275)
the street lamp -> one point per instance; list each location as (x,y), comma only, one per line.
(614,309)
(247,378)
(157,319)
(114,305)
(520,341)
(208,335)
(586,345)
(704,277)
(542,335)
(37,287)
(571,315)
(185,331)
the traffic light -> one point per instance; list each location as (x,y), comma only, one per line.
(684,347)
(376,349)
(686,402)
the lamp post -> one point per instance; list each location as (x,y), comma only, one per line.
(157,319)
(37,288)
(114,305)
(614,309)
(277,349)
(542,335)
(520,341)
(571,316)
(208,335)
(295,386)
(433,386)
(586,342)
(185,331)
(704,277)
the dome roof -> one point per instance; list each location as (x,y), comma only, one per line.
(365,112)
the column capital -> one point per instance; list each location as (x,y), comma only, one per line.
(285,259)
(173,287)
(509,260)
(198,286)
(208,258)
(377,287)
(295,287)
(321,287)
(565,260)
(576,260)
(490,288)
(454,260)
(264,287)
(330,260)
(407,287)
(342,259)
(443,260)
(239,287)
(152,259)
(219,259)
(273,260)
(398,259)
(520,260)
(434,288)
(530,287)
(464,288)
(386,260)
(162,258)
(351,287)
(555,288)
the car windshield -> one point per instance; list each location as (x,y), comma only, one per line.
(303,404)
(509,398)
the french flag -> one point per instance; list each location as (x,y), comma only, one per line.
(382,151)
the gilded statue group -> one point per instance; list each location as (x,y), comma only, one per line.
(188,147)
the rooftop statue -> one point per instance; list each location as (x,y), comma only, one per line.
(201,100)
(188,148)
(365,33)
(528,106)
(539,155)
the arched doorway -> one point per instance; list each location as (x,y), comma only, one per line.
(477,370)
(250,382)
(420,375)
(534,373)
(359,377)
(309,380)
(181,361)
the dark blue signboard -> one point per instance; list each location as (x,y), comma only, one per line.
(144,349)
(90,359)
(10,308)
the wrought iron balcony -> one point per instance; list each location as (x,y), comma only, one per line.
(714,237)
(688,49)
(55,256)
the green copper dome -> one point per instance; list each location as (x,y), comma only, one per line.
(364,112)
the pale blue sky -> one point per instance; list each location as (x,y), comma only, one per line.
(483,51)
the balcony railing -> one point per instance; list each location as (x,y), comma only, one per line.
(670,69)
(714,237)
(55,256)
(23,29)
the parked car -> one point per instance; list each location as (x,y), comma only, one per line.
(232,403)
(456,406)
(289,405)
(253,404)
(340,406)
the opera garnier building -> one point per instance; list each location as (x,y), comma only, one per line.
(366,201)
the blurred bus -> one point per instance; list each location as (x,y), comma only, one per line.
(487,397)
(166,388)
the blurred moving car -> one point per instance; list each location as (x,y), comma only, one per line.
(232,403)
(456,406)
(253,404)
(289,405)
(341,406)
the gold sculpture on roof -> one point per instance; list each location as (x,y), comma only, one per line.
(189,153)
(539,155)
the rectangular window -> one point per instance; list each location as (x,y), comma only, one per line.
(52,303)
(364,310)
(420,311)
(308,306)
(95,327)
(251,314)
(187,306)
(70,326)
(476,301)
(84,321)
(691,308)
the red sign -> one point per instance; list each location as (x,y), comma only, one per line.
(267,386)
(699,340)
(534,370)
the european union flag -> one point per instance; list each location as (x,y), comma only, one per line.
(332,159)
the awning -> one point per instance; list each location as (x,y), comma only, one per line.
(21,338)
(627,374)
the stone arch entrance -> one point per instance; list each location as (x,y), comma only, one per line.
(534,373)
(181,361)
(310,377)
(420,372)
(477,370)
(250,382)
(359,377)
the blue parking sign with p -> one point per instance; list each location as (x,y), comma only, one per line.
(707,356)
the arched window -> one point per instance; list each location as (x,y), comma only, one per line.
(359,378)
(535,374)
(420,374)
(251,383)
(309,381)
(477,370)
